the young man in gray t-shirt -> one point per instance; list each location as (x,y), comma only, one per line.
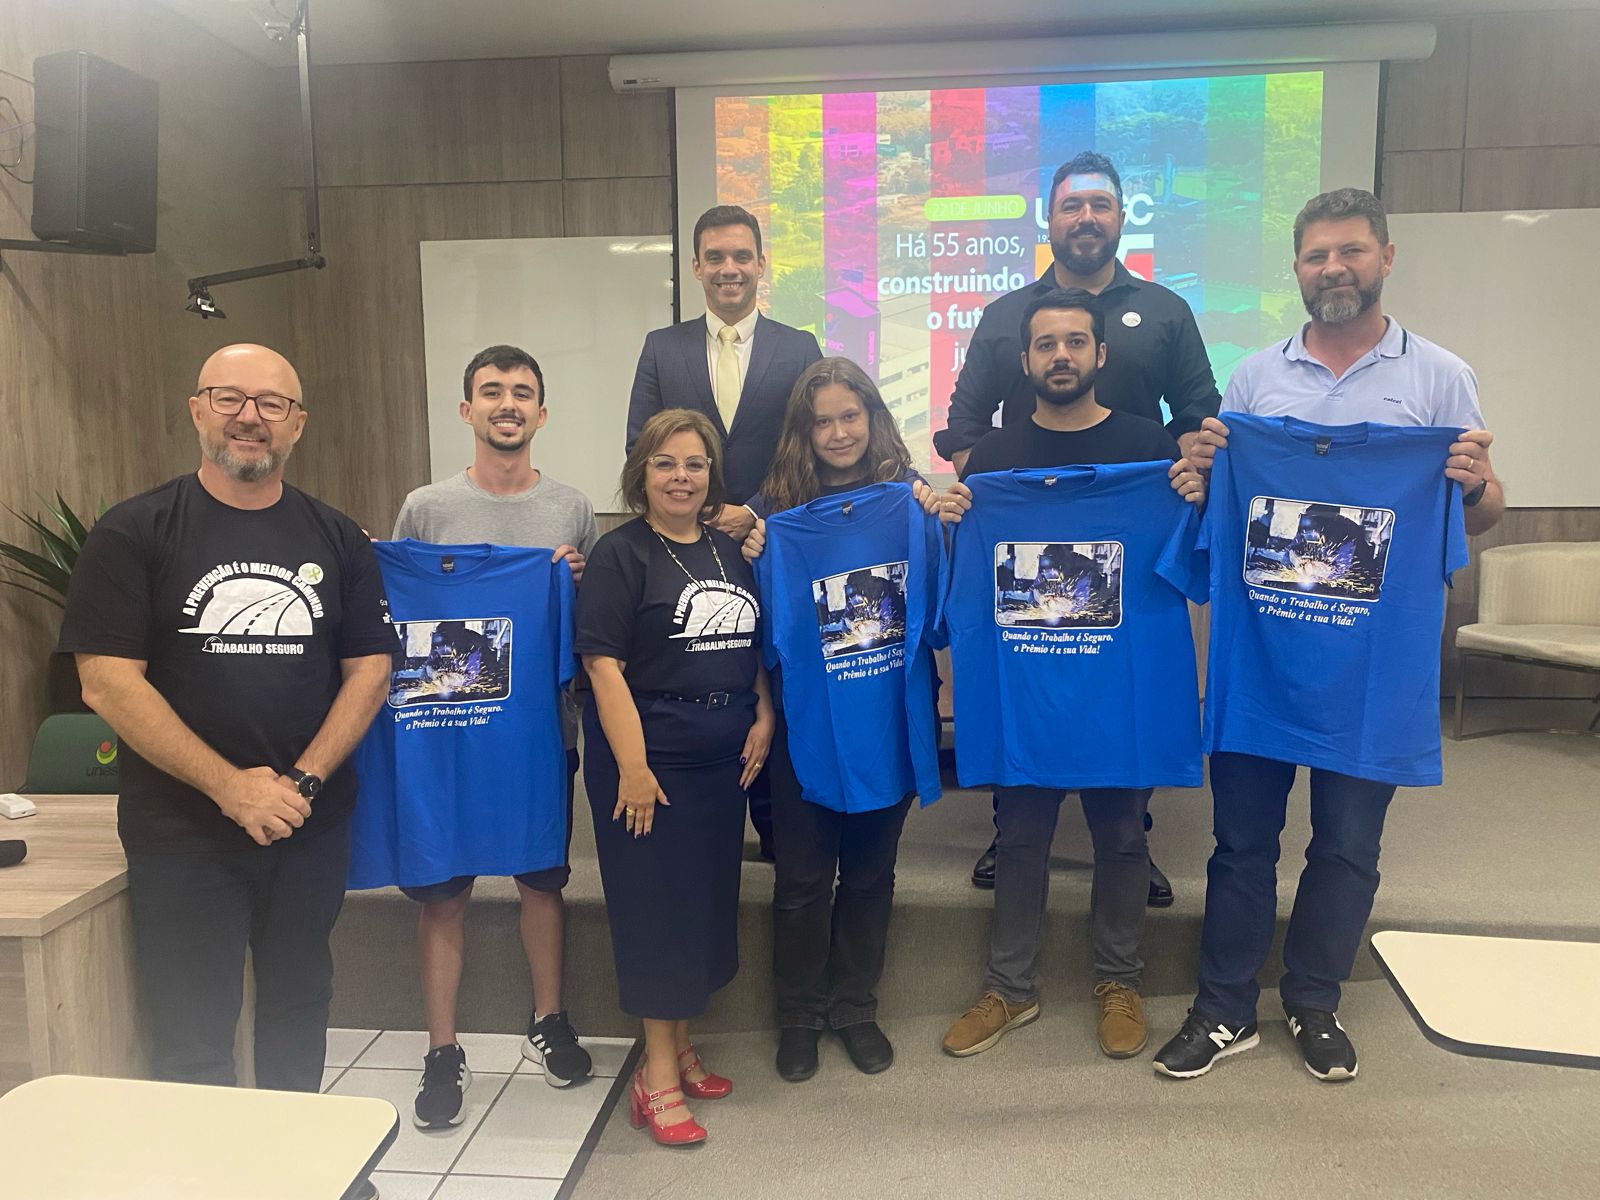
(504,500)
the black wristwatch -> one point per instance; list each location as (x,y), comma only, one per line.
(1476,494)
(307,784)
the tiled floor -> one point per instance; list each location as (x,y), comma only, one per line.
(520,1136)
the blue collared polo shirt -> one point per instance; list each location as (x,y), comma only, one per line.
(1403,380)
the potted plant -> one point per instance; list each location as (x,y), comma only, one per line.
(45,573)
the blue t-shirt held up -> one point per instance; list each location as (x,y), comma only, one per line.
(850,586)
(1331,547)
(1073,657)
(463,771)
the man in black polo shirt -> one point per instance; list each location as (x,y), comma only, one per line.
(1153,349)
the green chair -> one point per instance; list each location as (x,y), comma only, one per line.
(73,753)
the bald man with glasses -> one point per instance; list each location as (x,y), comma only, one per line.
(234,632)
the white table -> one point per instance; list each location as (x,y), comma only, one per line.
(1498,997)
(75,1137)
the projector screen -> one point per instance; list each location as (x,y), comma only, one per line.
(892,216)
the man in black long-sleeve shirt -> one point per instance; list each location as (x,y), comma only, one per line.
(1153,349)
(1153,346)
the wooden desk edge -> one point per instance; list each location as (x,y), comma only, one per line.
(62,913)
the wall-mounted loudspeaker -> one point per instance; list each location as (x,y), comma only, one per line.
(94,153)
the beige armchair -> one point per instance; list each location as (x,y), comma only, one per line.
(1537,604)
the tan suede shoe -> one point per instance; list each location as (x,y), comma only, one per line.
(1122,1029)
(985,1023)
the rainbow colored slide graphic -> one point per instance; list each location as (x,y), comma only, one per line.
(892,218)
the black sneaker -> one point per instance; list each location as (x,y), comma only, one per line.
(1323,1043)
(445,1080)
(1200,1043)
(553,1045)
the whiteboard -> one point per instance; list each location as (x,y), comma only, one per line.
(581,306)
(1513,294)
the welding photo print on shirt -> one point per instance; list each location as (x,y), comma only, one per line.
(1317,549)
(861,610)
(451,662)
(1058,585)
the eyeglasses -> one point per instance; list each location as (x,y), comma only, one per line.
(230,402)
(662,464)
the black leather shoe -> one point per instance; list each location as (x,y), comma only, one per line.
(797,1053)
(1160,890)
(983,869)
(868,1048)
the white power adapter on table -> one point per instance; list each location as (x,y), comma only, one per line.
(14,806)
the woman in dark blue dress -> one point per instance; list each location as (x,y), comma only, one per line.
(681,722)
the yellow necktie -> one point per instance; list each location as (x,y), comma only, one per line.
(727,385)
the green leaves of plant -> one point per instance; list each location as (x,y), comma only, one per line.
(53,568)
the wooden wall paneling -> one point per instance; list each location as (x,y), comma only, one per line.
(479,121)
(357,334)
(223,150)
(1531,177)
(358,331)
(1422,181)
(602,207)
(605,134)
(97,354)
(1530,80)
(1425,103)
(510,210)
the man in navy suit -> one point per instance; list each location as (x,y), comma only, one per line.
(738,368)
(733,364)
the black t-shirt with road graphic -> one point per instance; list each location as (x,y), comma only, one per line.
(242,616)
(688,627)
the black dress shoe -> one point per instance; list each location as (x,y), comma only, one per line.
(1160,890)
(868,1048)
(797,1053)
(983,869)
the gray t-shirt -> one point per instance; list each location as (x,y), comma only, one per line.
(456,511)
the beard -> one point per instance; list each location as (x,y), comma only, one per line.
(1061,396)
(508,443)
(1085,262)
(236,467)
(1338,307)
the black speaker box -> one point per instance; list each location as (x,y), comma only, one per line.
(94,178)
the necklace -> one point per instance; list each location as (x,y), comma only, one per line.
(667,546)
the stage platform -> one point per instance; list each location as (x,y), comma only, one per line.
(1506,846)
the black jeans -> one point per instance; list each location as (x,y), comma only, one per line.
(193,916)
(827,945)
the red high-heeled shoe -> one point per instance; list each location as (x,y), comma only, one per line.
(645,1108)
(712,1087)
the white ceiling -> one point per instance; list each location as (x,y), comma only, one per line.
(364,31)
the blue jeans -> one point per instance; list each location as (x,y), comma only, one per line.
(1331,905)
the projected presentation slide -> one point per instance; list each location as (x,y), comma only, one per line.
(893,217)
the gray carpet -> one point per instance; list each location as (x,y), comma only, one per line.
(1506,846)
(1044,1114)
